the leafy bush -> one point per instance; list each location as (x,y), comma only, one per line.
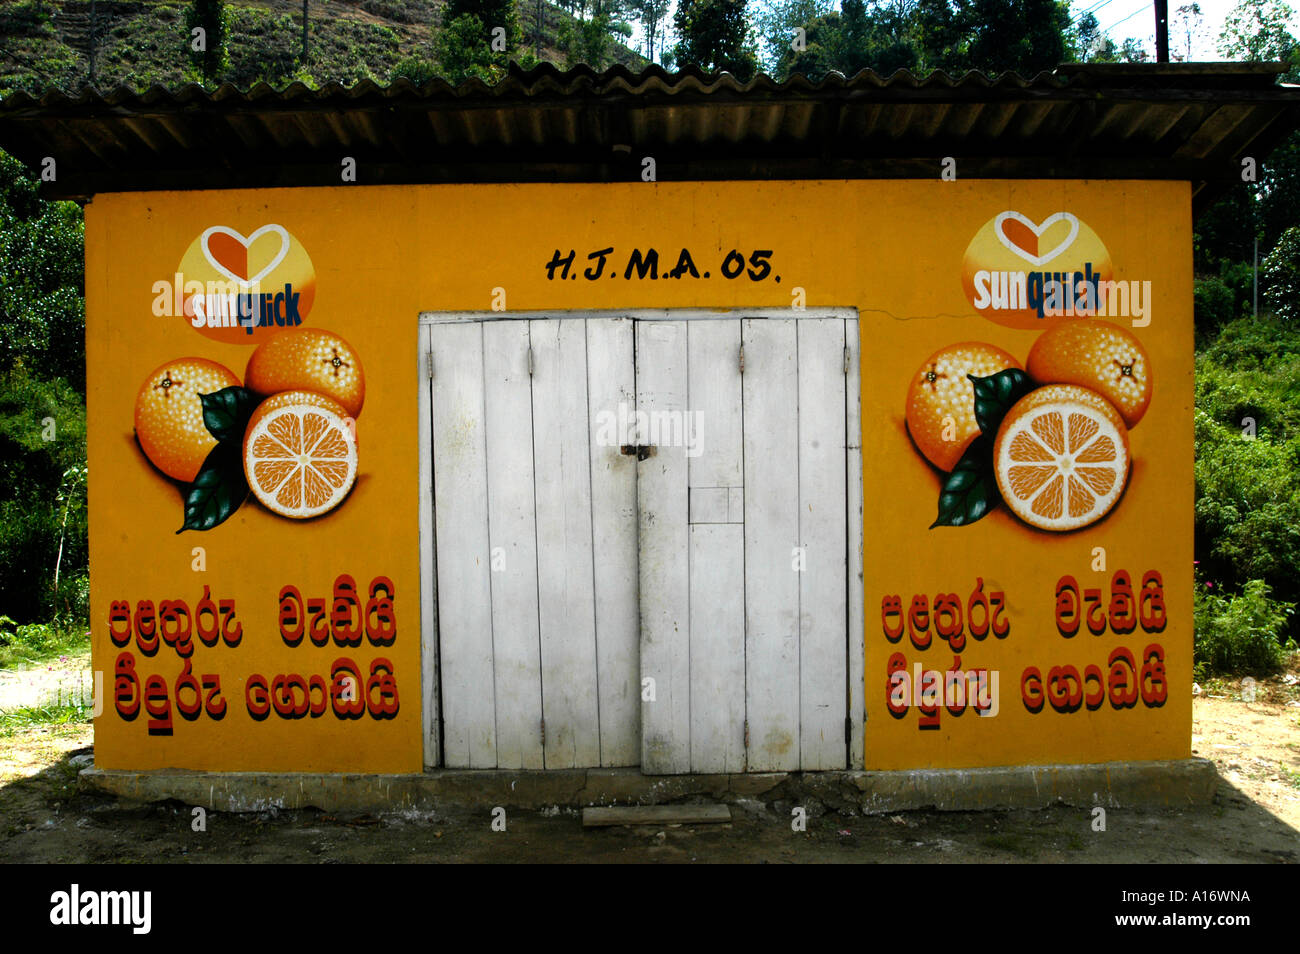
(42,308)
(463,49)
(1213,304)
(416,69)
(1239,634)
(34,642)
(42,410)
(1279,275)
(1247,426)
(214,20)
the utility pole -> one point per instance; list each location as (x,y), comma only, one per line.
(1162,31)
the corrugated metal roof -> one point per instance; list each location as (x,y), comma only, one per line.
(1179,121)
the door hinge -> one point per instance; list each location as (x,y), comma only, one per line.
(846,360)
(742,359)
(428,356)
(746,733)
(530,362)
(543,732)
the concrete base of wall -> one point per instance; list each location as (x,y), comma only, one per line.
(1113,784)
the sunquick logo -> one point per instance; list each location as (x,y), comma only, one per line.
(1070,273)
(240,288)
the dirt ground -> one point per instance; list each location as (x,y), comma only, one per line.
(45,816)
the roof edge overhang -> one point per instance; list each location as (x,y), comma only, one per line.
(1187,121)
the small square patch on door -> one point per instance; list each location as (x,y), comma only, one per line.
(735,505)
(717,505)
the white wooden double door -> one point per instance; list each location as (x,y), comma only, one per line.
(642,545)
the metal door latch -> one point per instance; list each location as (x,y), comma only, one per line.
(641,451)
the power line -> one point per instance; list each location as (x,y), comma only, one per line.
(1142,9)
(1091,10)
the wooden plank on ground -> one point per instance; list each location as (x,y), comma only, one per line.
(606,815)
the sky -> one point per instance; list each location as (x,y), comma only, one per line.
(1136,18)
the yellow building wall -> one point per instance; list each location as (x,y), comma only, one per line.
(370,259)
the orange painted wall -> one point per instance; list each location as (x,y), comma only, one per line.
(381,255)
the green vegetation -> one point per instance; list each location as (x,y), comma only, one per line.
(142,44)
(1242,633)
(1248,393)
(42,403)
(714,35)
(63,710)
(207,24)
(22,645)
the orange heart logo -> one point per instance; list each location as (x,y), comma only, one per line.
(229,252)
(1022,236)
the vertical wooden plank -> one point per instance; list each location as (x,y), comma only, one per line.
(717,638)
(430,726)
(461,523)
(611,397)
(856,596)
(771,400)
(512,539)
(565,574)
(662,495)
(717,557)
(823,618)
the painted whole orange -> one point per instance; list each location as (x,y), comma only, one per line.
(1097,355)
(169,414)
(308,359)
(940,409)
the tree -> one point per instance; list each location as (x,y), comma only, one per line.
(651,14)
(1090,44)
(852,40)
(42,384)
(42,309)
(208,51)
(476,39)
(1186,23)
(590,40)
(492,14)
(777,21)
(1133,52)
(938,35)
(714,36)
(1258,31)
(1022,35)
